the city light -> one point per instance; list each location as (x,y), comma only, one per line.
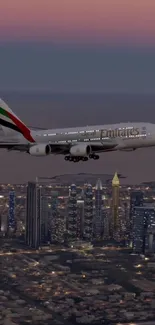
(80,241)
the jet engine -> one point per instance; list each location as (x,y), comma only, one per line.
(80,150)
(40,150)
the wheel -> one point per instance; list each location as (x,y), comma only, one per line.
(84,158)
(96,157)
(93,156)
(66,158)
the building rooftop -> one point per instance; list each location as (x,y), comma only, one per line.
(115,181)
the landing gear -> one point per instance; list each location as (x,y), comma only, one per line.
(93,156)
(67,157)
(75,159)
(84,159)
(70,158)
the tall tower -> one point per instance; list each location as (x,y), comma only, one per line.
(143,220)
(11,223)
(151,240)
(106,222)
(72,213)
(44,219)
(136,200)
(53,216)
(98,218)
(115,206)
(33,215)
(88,213)
(80,218)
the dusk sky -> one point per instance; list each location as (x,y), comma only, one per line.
(78,45)
(105,21)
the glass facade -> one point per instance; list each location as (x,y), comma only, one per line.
(12,210)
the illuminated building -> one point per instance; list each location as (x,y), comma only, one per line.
(33,215)
(136,200)
(88,213)
(125,221)
(80,218)
(115,226)
(20,213)
(98,217)
(53,216)
(44,219)
(60,228)
(72,213)
(4,224)
(143,220)
(106,220)
(150,240)
(11,220)
(56,220)
(20,228)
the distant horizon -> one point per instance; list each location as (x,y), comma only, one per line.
(93,92)
(116,46)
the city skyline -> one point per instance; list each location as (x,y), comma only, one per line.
(65,255)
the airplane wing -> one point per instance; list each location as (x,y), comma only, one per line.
(103,146)
(64,148)
(61,147)
(14,146)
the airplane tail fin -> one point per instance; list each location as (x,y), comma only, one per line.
(11,123)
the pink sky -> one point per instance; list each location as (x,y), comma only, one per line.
(78,20)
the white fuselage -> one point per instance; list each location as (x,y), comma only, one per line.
(126,135)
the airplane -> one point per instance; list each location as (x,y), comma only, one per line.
(76,143)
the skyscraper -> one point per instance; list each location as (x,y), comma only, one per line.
(80,218)
(143,220)
(72,213)
(115,207)
(136,200)
(98,217)
(33,215)
(106,220)
(11,221)
(44,219)
(60,228)
(0,223)
(126,222)
(150,240)
(53,216)
(88,213)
